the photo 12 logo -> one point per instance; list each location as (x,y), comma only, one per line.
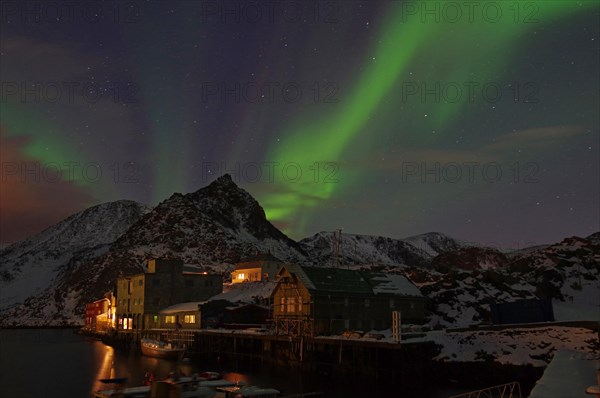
(468,92)
(65,12)
(268,12)
(54,172)
(470,11)
(268,92)
(35,92)
(469,172)
(271,172)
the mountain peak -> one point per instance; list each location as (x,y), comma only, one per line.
(225,179)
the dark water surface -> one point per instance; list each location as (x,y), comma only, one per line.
(57,363)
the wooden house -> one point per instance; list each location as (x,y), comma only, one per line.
(317,300)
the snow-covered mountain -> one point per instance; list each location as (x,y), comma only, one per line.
(470,258)
(416,251)
(218,224)
(213,227)
(48,278)
(31,267)
(465,282)
(567,272)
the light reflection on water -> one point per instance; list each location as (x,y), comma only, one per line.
(57,363)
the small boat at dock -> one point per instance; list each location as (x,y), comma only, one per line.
(180,387)
(160,349)
(246,392)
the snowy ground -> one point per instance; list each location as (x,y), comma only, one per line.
(534,346)
(582,304)
(568,375)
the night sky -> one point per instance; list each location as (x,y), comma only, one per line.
(383,117)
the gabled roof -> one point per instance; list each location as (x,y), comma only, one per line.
(391,284)
(181,307)
(351,281)
(298,271)
(338,280)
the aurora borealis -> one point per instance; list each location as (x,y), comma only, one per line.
(398,114)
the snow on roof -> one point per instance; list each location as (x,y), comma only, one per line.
(182,307)
(246,292)
(392,284)
(568,375)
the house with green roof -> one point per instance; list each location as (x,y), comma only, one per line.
(321,301)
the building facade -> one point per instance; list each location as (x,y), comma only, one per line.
(182,316)
(92,311)
(262,266)
(100,314)
(522,311)
(316,300)
(141,297)
(213,314)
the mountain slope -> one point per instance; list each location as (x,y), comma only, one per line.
(464,282)
(416,251)
(213,227)
(31,266)
(48,278)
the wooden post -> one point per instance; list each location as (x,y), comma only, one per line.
(396,326)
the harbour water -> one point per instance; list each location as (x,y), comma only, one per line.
(58,363)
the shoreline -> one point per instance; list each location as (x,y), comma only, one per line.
(39,327)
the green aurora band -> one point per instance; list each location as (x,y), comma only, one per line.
(463,52)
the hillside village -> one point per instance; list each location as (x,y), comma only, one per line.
(211,261)
(287,298)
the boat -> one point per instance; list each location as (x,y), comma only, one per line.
(160,349)
(246,392)
(181,387)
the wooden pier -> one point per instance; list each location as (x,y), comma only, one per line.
(324,355)
(380,362)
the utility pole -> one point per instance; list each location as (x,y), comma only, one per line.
(337,247)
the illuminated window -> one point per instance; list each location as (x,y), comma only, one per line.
(291,304)
(170,319)
(189,319)
(282,306)
(155,318)
(127,323)
(241,276)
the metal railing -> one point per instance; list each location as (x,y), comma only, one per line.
(508,390)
